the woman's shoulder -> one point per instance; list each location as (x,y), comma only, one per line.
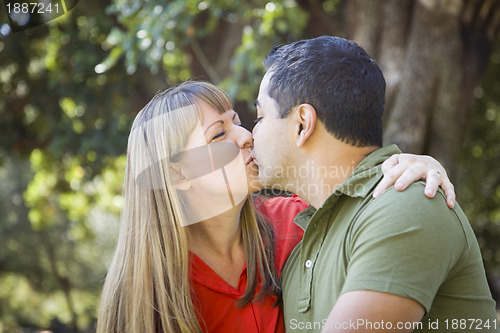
(280,213)
(276,209)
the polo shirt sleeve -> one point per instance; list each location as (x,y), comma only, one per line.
(405,244)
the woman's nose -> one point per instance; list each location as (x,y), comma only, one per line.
(244,138)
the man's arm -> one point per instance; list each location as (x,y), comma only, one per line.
(401,249)
(371,311)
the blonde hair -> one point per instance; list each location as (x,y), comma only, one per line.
(147,288)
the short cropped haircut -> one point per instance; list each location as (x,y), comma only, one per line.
(338,78)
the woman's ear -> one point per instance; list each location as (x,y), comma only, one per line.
(306,122)
(178,179)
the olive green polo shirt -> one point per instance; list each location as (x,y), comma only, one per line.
(401,243)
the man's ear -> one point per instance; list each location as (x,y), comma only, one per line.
(306,122)
(178,180)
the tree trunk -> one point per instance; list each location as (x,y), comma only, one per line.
(433,54)
(211,56)
(64,282)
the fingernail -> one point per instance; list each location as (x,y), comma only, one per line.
(398,185)
(429,192)
(376,193)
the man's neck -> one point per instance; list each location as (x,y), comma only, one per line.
(326,171)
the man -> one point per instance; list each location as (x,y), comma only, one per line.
(399,263)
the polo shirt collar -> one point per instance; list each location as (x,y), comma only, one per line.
(303,218)
(366,175)
(359,184)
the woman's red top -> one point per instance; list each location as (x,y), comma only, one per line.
(215,299)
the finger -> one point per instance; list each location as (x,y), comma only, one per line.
(433,180)
(389,179)
(390,163)
(449,191)
(412,174)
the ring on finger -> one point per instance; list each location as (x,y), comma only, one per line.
(437,171)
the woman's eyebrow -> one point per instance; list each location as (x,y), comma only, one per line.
(222,121)
(215,122)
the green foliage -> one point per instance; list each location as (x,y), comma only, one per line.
(55,249)
(157,34)
(54,99)
(479,178)
(63,132)
(273,24)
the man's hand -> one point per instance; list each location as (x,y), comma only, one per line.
(404,169)
(370,311)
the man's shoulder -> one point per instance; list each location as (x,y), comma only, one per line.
(413,202)
(413,196)
(411,210)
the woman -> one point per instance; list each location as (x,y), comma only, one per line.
(193,255)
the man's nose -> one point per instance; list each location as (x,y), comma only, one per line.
(254,129)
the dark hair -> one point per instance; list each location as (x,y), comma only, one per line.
(338,78)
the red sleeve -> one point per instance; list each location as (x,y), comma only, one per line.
(280,212)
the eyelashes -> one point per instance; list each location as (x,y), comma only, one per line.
(218,136)
(222,133)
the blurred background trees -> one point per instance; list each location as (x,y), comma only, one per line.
(69,90)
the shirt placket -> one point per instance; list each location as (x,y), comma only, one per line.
(250,318)
(313,241)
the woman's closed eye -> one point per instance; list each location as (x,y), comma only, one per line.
(221,134)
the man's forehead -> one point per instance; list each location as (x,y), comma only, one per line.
(265,103)
(263,97)
(264,83)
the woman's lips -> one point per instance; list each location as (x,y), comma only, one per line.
(249,160)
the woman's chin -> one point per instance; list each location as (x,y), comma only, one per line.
(254,185)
